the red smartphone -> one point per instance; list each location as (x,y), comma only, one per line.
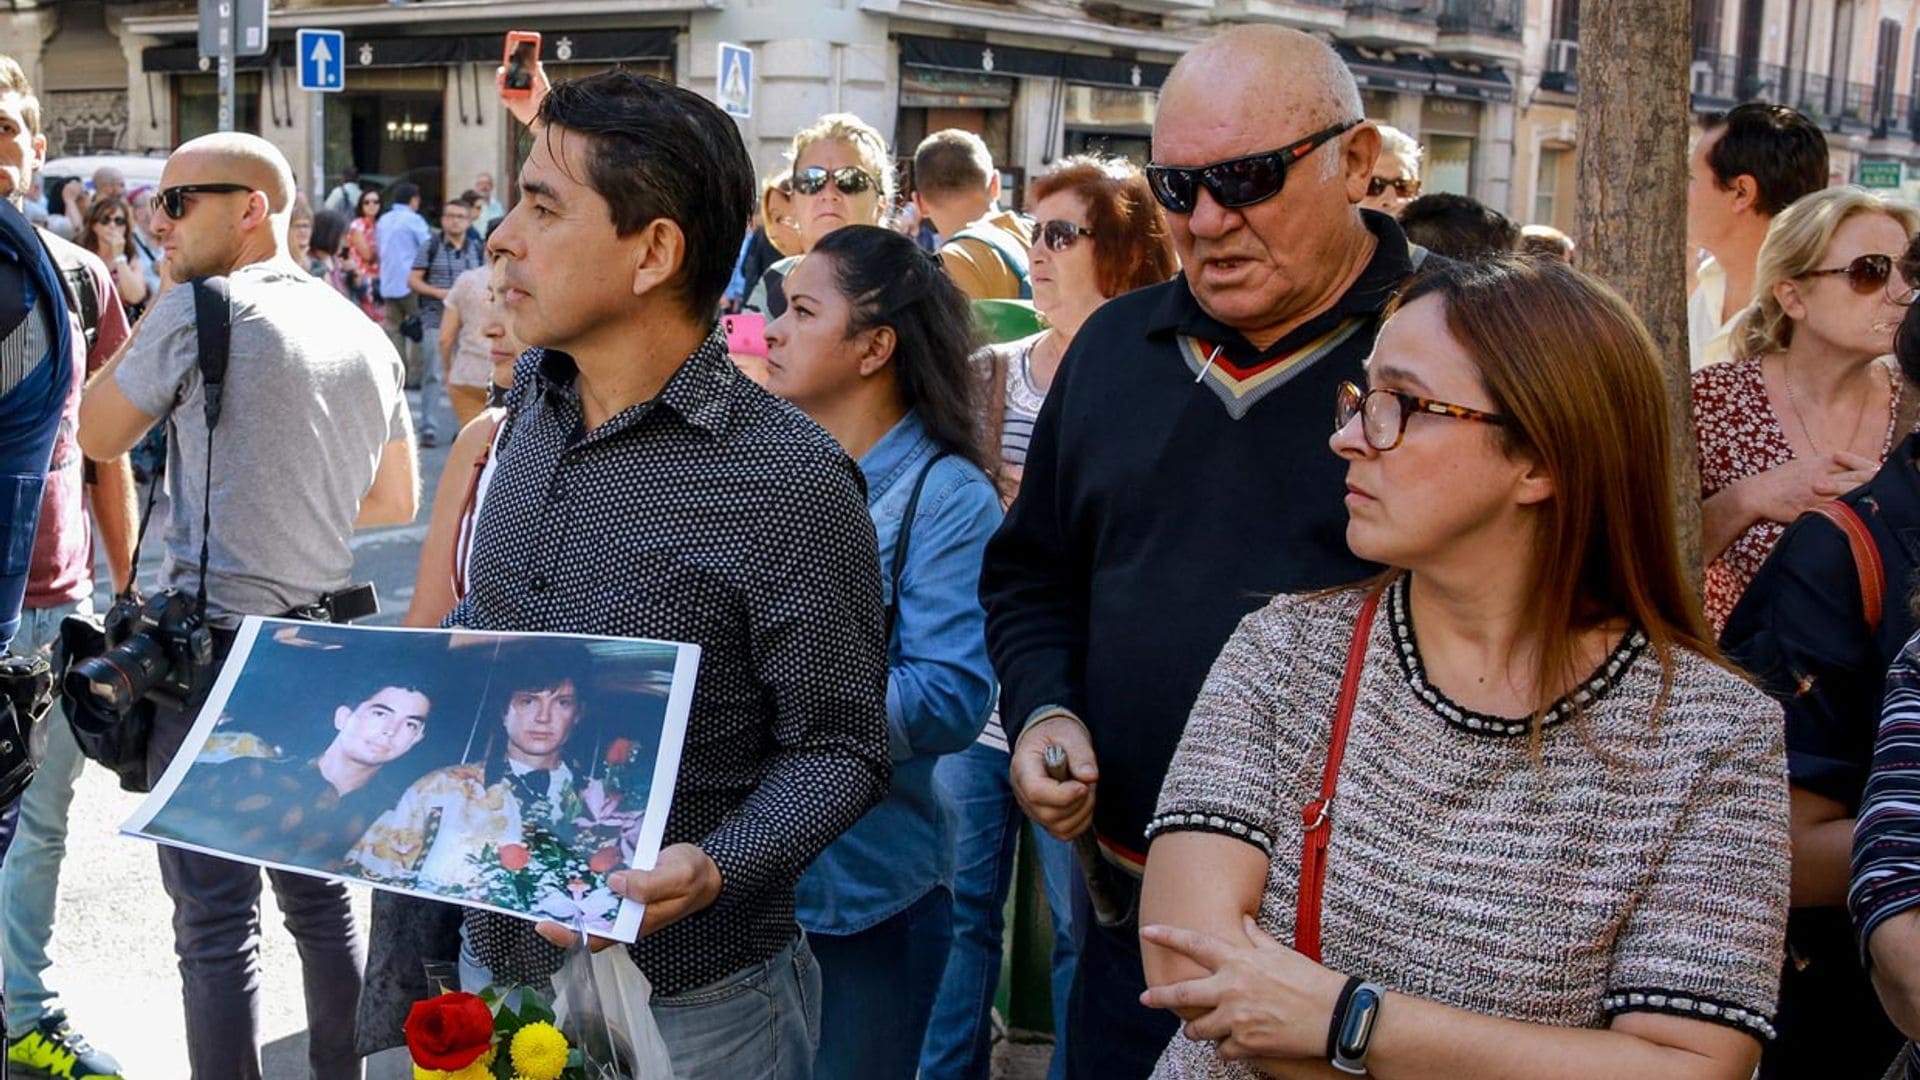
(521,55)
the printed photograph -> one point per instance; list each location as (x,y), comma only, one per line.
(506,771)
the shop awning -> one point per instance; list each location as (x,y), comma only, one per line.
(1474,82)
(1401,72)
(567,46)
(946,54)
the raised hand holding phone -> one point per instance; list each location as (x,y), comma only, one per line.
(521,78)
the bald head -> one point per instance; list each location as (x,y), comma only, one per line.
(1271,69)
(239,158)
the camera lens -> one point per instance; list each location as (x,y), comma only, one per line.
(116,679)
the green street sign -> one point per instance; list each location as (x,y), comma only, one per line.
(1880,174)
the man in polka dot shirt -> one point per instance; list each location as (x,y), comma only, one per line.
(644,487)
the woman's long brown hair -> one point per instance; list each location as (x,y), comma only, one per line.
(1566,358)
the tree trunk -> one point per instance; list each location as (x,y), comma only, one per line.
(1631,165)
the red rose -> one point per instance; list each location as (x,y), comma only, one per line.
(605,859)
(619,751)
(449,1032)
(514,856)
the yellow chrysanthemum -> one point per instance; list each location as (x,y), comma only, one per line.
(421,1072)
(539,1052)
(480,1069)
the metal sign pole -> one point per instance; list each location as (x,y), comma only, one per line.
(226,63)
(317,149)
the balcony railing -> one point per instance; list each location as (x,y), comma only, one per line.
(1496,18)
(1426,12)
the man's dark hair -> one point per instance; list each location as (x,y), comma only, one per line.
(471,198)
(1458,227)
(952,162)
(329,231)
(539,664)
(656,151)
(1782,150)
(402,193)
(367,683)
(349,175)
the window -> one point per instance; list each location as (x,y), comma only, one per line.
(1449,165)
(196,104)
(1553,195)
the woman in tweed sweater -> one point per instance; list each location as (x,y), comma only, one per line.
(1559,841)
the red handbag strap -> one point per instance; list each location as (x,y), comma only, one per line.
(1317,817)
(1866,557)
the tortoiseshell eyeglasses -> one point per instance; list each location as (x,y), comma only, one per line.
(1384,413)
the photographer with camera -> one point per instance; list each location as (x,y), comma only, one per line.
(273,463)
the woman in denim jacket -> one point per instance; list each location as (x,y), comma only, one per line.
(874,346)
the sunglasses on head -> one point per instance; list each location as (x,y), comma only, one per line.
(173,201)
(1407,187)
(1869,274)
(1236,182)
(1060,235)
(850,179)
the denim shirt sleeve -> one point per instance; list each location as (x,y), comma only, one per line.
(940,683)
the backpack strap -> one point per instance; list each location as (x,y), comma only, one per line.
(1002,245)
(1866,558)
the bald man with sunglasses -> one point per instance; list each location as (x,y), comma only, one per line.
(313,440)
(1179,472)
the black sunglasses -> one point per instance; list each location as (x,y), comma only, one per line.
(1060,235)
(1235,182)
(1870,273)
(850,179)
(173,201)
(116,219)
(1407,187)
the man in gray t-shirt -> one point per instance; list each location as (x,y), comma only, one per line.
(314,439)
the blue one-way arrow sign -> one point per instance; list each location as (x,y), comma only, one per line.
(323,59)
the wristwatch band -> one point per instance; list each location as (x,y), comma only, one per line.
(1353,1024)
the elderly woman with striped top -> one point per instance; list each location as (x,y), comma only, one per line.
(1502,812)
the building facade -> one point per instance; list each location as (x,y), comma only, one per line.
(1488,86)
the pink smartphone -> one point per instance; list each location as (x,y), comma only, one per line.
(746,333)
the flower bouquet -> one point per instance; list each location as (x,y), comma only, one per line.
(598,1026)
(460,1036)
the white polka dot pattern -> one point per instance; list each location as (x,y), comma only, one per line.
(715,514)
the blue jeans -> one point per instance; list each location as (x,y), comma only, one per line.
(759,1023)
(959,1042)
(432,383)
(877,990)
(30,875)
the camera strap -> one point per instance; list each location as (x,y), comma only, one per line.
(213,327)
(213,330)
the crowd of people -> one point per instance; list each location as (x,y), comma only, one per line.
(1399,745)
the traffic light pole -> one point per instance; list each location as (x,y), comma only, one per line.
(227,21)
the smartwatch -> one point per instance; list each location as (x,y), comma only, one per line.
(1353,1022)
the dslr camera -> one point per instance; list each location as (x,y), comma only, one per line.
(159,648)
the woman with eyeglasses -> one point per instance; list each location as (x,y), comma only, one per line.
(875,346)
(1819,628)
(363,257)
(842,175)
(1501,811)
(1806,410)
(1396,173)
(109,234)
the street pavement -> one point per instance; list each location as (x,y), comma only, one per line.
(112,948)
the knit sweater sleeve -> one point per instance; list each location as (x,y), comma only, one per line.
(1706,936)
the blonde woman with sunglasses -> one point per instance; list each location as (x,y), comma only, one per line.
(1808,408)
(842,175)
